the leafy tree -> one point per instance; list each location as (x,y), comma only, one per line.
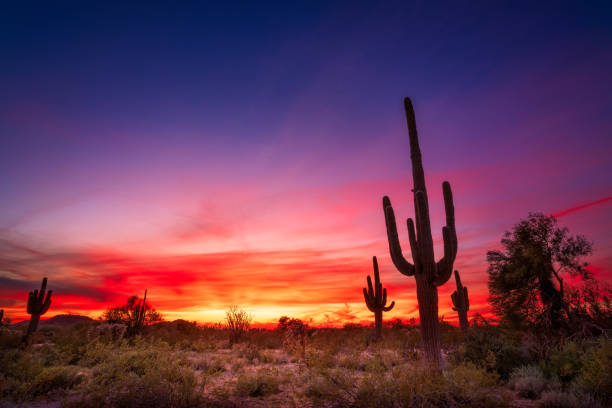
(526,278)
(129,313)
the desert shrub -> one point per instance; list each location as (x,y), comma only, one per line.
(329,387)
(238,322)
(374,391)
(144,376)
(9,339)
(209,366)
(595,376)
(351,361)
(469,385)
(258,384)
(565,363)
(248,351)
(529,381)
(488,346)
(561,399)
(50,380)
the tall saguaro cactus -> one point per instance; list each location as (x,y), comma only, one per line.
(376,299)
(428,273)
(461,302)
(38,304)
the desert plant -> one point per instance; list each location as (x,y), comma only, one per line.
(238,322)
(461,302)
(595,377)
(258,384)
(528,381)
(38,304)
(376,299)
(526,285)
(560,399)
(134,314)
(295,333)
(428,273)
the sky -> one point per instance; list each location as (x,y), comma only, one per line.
(219,154)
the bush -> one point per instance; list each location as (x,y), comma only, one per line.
(238,322)
(469,385)
(488,346)
(53,379)
(258,384)
(560,399)
(529,381)
(140,377)
(565,363)
(596,374)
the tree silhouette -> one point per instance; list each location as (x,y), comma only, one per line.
(135,313)
(525,278)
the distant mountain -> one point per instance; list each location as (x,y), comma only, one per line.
(59,320)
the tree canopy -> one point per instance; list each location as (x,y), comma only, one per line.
(128,313)
(526,277)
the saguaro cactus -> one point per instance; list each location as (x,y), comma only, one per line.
(1,317)
(140,316)
(428,273)
(38,304)
(461,302)
(376,299)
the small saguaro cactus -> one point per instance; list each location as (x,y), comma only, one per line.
(1,317)
(428,273)
(376,299)
(140,316)
(38,304)
(461,302)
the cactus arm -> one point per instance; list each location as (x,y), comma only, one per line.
(368,301)
(414,247)
(449,235)
(467,299)
(395,249)
(43,287)
(388,308)
(46,302)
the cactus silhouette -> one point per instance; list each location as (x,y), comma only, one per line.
(461,302)
(376,299)
(428,273)
(1,317)
(140,316)
(38,304)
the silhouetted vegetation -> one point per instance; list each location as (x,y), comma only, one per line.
(526,282)
(38,304)
(134,314)
(550,345)
(376,299)
(238,322)
(428,273)
(461,302)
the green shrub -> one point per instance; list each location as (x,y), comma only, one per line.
(258,384)
(565,363)
(596,374)
(561,399)
(51,380)
(529,381)
(144,376)
(472,386)
(488,346)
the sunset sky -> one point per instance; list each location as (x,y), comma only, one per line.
(239,155)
